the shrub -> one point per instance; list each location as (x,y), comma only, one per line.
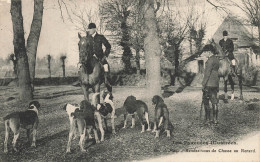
(250,75)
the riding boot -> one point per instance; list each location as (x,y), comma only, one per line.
(233,70)
(216,114)
(207,113)
(106,79)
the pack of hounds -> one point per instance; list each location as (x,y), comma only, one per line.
(86,116)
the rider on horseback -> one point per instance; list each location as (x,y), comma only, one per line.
(228,47)
(98,40)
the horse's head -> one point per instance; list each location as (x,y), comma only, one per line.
(85,46)
(217,48)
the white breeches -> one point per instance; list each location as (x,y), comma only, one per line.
(233,62)
(105,67)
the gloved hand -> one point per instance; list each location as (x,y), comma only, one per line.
(104,58)
(79,65)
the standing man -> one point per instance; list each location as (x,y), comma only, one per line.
(228,48)
(100,40)
(210,84)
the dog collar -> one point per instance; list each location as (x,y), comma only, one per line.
(34,109)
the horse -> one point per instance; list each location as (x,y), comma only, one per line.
(91,72)
(225,71)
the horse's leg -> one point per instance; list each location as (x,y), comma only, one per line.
(225,88)
(216,115)
(108,77)
(85,91)
(240,86)
(97,90)
(232,86)
(207,108)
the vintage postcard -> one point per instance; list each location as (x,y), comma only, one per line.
(130,80)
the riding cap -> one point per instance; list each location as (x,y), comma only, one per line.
(91,26)
(225,33)
(209,47)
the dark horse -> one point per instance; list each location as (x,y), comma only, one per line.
(225,71)
(91,72)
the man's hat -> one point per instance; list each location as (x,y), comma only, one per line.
(225,33)
(91,26)
(209,47)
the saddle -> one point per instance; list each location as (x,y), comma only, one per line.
(88,68)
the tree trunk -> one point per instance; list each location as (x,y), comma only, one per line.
(137,61)
(24,82)
(259,31)
(15,67)
(172,77)
(190,41)
(152,50)
(49,68)
(33,38)
(127,54)
(63,69)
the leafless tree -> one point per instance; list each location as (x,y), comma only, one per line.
(173,33)
(136,21)
(151,47)
(49,64)
(63,58)
(34,36)
(24,82)
(80,14)
(116,15)
(24,54)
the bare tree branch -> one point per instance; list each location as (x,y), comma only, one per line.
(61,10)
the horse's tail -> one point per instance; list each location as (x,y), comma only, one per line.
(94,101)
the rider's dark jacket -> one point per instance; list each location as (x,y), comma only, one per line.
(228,47)
(97,46)
(211,78)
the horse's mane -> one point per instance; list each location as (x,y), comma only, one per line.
(218,48)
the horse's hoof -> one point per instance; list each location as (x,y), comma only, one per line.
(232,96)
(148,130)
(68,151)
(5,151)
(83,150)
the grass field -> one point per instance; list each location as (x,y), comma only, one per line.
(236,120)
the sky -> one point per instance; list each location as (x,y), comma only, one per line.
(60,37)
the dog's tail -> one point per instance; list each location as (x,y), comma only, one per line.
(6,130)
(7,117)
(94,101)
